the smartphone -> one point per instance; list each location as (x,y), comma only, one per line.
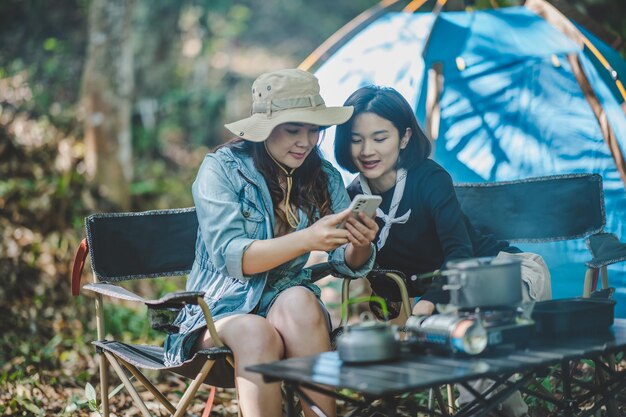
(362,203)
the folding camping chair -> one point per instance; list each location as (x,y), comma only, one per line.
(152,244)
(547,209)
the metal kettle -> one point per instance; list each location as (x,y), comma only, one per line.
(368,341)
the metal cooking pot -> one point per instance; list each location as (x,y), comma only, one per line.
(368,341)
(484,282)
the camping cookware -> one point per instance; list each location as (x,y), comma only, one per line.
(482,282)
(568,316)
(368,341)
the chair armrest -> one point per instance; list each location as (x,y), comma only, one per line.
(163,312)
(606,249)
(379,273)
(606,293)
(114,291)
(323,269)
(79,264)
(399,279)
(177,299)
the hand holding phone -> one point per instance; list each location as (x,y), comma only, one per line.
(363,203)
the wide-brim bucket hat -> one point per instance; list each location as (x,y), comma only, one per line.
(286,96)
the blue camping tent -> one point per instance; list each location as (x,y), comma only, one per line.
(509,104)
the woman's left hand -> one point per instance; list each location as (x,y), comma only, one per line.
(362,231)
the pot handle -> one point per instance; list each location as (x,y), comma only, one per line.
(438,285)
(375,298)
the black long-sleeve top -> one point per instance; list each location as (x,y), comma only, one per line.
(436,231)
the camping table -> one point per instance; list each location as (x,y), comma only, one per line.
(414,372)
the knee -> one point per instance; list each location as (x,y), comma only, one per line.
(298,307)
(423,308)
(252,335)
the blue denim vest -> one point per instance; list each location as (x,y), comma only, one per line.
(234,209)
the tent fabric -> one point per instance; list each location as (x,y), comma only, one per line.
(515,111)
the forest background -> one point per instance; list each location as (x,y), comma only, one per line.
(110,105)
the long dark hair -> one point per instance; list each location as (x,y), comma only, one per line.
(310,182)
(388,104)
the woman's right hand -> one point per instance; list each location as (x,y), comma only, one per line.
(323,235)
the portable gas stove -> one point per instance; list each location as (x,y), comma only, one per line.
(505,326)
(471,331)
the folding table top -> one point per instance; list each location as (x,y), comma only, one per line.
(415,371)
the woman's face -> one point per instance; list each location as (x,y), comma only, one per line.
(291,143)
(375,147)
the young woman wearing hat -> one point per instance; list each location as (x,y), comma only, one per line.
(265,201)
(420,219)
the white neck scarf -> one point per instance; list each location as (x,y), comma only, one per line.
(390,218)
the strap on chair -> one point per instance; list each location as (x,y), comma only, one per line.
(209,403)
(594,279)
(79,264)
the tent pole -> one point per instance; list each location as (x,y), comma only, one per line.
(343,35)
(606,65)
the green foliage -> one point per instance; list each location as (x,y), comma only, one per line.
(90,396)
(130,324)
(194,62)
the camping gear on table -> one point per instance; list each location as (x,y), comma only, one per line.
(369,340)
(471,332)
(484,282)
(485,308)
(448,332)
(479,282)
(574,316)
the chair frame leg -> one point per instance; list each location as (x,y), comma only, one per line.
(129,386)
(104,366)
(181,408)
(605,277)
(345,296)
(450,392)
(104,384)
(588,282)
(149,386)
(183,404)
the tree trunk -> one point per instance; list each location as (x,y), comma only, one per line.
(107,89)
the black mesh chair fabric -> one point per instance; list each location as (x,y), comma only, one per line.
(151,357)
(542,209)
(127,246)
(606,250)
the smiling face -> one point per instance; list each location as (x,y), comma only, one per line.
(291,143)
(375,147)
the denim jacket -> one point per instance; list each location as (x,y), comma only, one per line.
(234,209)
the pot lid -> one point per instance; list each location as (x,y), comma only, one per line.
(368,322)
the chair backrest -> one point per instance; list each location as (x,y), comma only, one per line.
(542,209)
(147,244)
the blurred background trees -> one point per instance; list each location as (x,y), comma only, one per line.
(110,105)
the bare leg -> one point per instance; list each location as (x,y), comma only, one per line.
(253,340)
(301,322)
